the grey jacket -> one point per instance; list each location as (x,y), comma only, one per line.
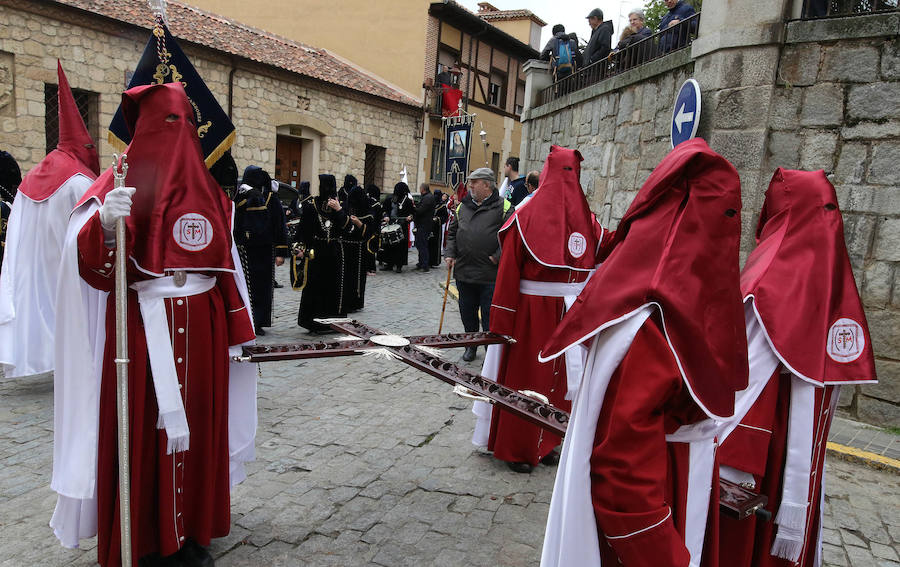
(472,238)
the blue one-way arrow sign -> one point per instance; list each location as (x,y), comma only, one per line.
(686,114)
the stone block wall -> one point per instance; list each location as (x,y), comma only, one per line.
(837,108)
(96,55)
(828,98)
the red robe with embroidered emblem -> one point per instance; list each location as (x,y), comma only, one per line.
(185,494)
(179,222)
(804,299)
(536,253)
(663,319)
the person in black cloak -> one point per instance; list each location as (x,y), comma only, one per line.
(374,241)
(401,208)
(324,224)
(225,172)
(261,237)
(436,237)
(365,227)
(10,178)
(349,183)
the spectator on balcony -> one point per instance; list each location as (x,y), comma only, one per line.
(634,33)
(600,43)
(447,81)
(679,36)
(562,53)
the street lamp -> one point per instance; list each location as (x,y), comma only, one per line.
(484,142)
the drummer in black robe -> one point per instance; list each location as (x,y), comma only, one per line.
(374,242)
(260,233)
(401,208)
(324,223)
(436,237)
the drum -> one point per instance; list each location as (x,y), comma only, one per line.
(391,234)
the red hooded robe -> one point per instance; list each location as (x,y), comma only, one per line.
(549,251)
(664,316)
(180,221)
(802,299)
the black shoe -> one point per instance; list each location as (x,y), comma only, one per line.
(524,468)
(551,459)
(260,332)
(387,268)
(469,355)
(398,269)
(194,555)
(276,284)
(426,270)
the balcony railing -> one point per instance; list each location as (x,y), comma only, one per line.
(653,47)
(815,9)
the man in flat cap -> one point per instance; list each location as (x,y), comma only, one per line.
(600,43)
(473,250)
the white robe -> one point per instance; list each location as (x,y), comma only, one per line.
(31,270)
(81,333)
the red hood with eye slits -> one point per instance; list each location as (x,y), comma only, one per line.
(180,219)
(677,247)
(802,284)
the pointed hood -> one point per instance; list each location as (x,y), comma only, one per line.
(677,248)
(802,284)
(75,152)
(180,219)
(571,240)
(73,135)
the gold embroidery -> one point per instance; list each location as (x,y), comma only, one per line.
(201,131)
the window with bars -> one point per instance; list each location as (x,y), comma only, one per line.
(88,106)
(437,161)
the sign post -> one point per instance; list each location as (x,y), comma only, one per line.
(686,114)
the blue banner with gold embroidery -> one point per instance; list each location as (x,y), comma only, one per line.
(163,61)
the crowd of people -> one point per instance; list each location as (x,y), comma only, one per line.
(676,367)
(566,56)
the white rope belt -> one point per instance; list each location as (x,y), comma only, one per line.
(550,289)
(151,296)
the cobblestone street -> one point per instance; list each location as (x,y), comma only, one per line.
(366,461)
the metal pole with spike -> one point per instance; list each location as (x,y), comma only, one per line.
(120,168)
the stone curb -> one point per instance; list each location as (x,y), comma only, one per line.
(867,458)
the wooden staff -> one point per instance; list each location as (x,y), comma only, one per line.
(120,168)
(444,307)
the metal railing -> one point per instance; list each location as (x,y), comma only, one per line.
(635,54)
(816,9)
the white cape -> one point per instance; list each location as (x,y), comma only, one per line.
(31,269)
(80,327)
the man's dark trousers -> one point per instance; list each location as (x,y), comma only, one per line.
(472,297)
(422,234)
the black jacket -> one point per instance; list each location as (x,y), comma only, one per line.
(424,212)
(600,44)
(472,238)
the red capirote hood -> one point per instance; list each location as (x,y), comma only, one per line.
(180,218)
(802,285)
(74,153)
(556,224)
(677,247)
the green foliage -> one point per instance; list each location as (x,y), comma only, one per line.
(655,10)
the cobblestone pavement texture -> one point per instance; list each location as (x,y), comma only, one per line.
(365,461)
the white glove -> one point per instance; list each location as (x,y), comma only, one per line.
(117,205)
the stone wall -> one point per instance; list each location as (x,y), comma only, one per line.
(828,97)
(97,54)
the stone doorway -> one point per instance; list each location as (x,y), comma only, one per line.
(288,160)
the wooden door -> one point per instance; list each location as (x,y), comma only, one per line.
(288,153)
